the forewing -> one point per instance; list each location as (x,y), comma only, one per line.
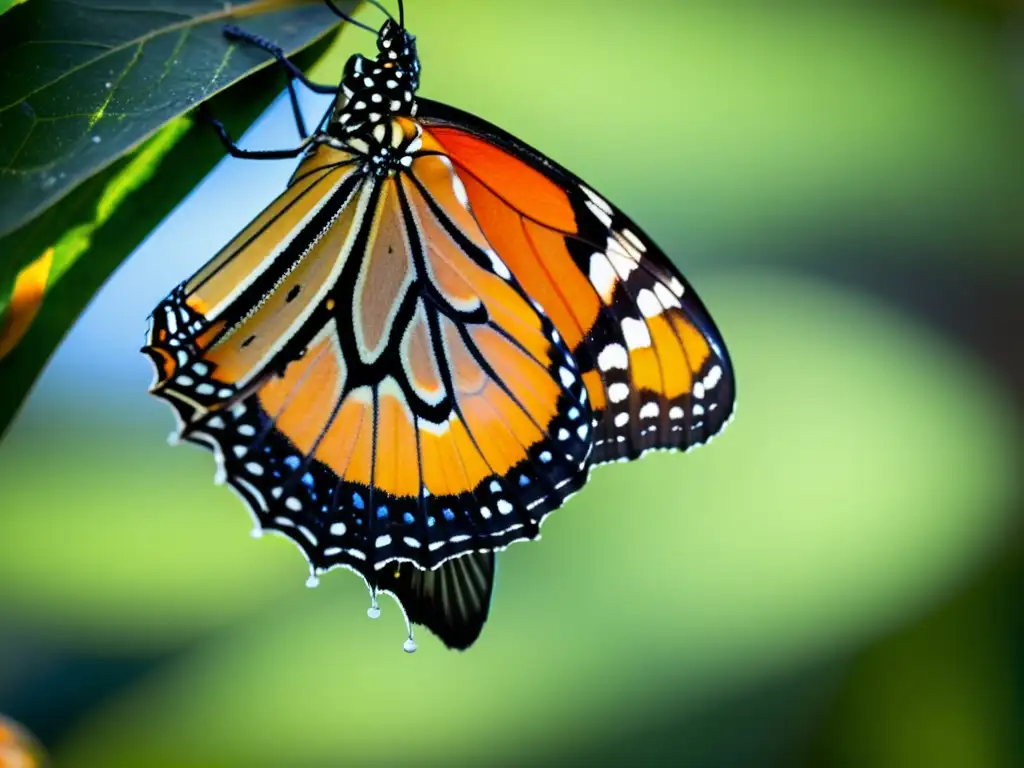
(655,366)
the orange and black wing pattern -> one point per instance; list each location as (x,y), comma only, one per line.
(656,369)
(373,379)
(420,349)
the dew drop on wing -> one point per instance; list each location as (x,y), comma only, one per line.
(374,610)
(409,646)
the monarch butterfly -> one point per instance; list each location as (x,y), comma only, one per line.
(421,348)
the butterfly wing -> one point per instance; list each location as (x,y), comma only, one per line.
(657,371)
(375,383)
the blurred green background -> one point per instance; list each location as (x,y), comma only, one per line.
(835,581)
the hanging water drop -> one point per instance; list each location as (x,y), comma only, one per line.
(256,533)
(312,581)
(374,610)
(409,646)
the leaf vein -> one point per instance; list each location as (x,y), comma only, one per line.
(174,53)
(223,63)
(87,43)
(28,134)
(253,8)
(98,114)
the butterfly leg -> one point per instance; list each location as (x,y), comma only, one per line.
(231,32)
(236,151)
(236,33)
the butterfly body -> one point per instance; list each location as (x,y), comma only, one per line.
(421,348)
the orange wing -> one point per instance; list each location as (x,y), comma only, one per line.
(420,365)
(655,366)
(373,380)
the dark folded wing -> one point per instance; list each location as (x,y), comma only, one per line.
(451,601)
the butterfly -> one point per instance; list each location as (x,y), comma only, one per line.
(422,347)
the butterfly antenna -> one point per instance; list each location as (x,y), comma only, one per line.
(384,10)
(340,13)
(401,14)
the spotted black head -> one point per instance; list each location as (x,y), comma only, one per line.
(374,92)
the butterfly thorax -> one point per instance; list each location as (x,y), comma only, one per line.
(375,95)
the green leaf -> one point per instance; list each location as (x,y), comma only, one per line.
(96,225)
(85,84)
(6,5)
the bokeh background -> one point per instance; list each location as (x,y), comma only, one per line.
(836,581)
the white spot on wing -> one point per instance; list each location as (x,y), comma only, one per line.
(498,265)
(460,191)
(600,215)
(599,201)
(650,411)
(624,263)
(613,356)
(618,392)
(665,296)
(636,334)
(713,377)
(648,303)
(602,276)
(634,240)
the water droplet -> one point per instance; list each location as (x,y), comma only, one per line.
(221,477)
(256,533)
(409,646)
(312,581)
(96,139)
(173,439)
(373,612)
